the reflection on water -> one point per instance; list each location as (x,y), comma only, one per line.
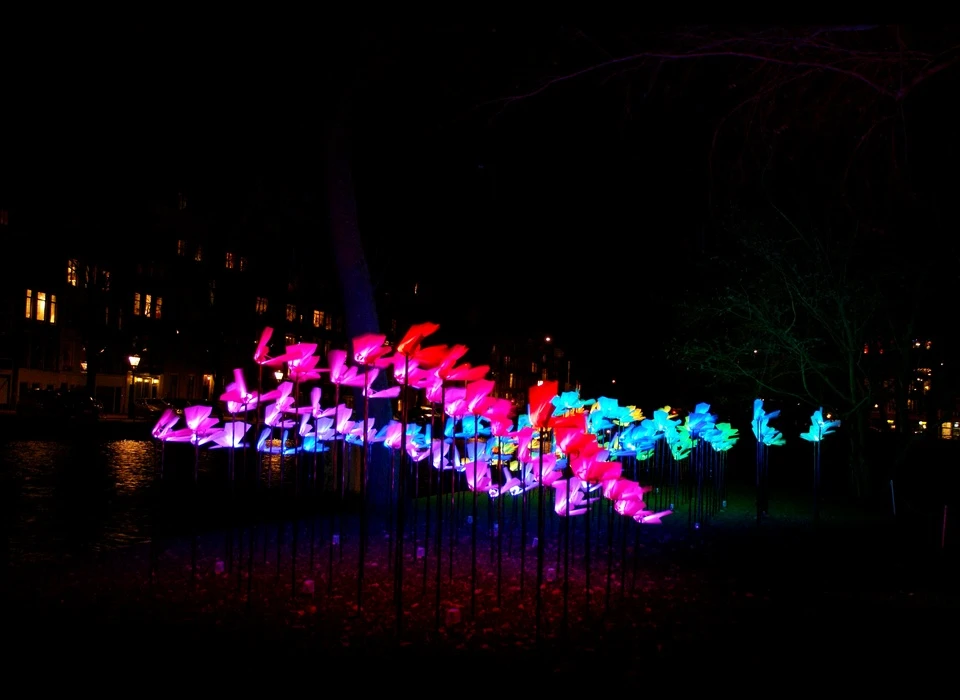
(62,498)
(76,497)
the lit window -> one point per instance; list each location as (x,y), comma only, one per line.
(533,367)
(291,312)
(243,263)
(229,261)
(182,248)
(72,272)
(52,311)
(199,256)
(41,306)
(106,281)
(543,375)
(29,313)
(328,323)
(156,307)
(317,318)
(147,303)
(510,380)
(136,303)
(261,305)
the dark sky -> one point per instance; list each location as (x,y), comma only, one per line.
(579,202)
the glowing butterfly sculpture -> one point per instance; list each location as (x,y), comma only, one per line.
(762,430)
(721,436)
(819,427)
(641,439)
(767,436)
(699,420)
(570,401)
(232,435)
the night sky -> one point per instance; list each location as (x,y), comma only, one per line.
(576,209)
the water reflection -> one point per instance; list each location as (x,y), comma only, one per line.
(68,498)
(64,498)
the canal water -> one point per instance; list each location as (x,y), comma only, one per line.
(80,496)
(77,497)
(65,498)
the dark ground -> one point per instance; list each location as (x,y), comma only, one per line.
(855,596)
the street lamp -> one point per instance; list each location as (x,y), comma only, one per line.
(134,360)
(279,375)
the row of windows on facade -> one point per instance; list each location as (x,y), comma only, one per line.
(231,260)
(150,307)
(89,275)
(321,319)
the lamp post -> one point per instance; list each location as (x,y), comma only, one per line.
(134,360)
(279,375)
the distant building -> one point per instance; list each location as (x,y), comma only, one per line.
(164,301)
(517,365)
(184,295)
(930,397)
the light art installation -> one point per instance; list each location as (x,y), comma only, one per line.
(820,427)
(590,459)
(767,436)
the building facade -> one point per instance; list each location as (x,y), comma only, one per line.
(186,299)
(167,301)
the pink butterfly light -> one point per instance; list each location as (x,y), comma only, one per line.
(301,362)
(389,393)
(478,476)
(392,435)
(314,409)
(340,373)
(549,473)
(260,354)
(578,501)
(369,349)
(232,435)
(237,397)
(200,426)
(164,426)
